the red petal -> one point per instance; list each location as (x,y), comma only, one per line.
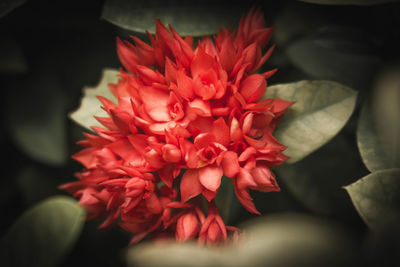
(189,153)
(171,153)
(246,202)
(121,120)
(155,102)
(280,105)
(227,54)
(170,71)
(184,85)
(201,107)
(209,195)
(221,132)
(245,180)
(253,87)
(247,153)
(166,174)
(265,179)
(149,76)
(127,55)
(153,204)
(235,131)
(230,164)
(187,227)
(86,157)
(190,185)
(269,73)
(210,177)
(202,62)
(203,140)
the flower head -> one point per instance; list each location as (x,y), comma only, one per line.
(186,116)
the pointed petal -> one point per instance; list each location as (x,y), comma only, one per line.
(202,62)
(253,87)
(184,85)
(221,132)
(203,140)
(201,107)
(209,195)
(210,177)
(190,185)
(230,164)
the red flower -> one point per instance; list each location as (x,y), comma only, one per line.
(188,225)
(213,230)
(185,117)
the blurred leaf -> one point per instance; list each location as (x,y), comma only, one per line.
(385,110)
(12,60)
(6,6)
(341,54)
(295,20)
(36,117)
(376,151)
(322,108)
(275,240)
(43,235)
(350,2)
(317,180)
(376,198)
(195,18)
(90,105)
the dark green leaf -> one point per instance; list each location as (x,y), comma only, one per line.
(295,20)
(350,2)
(340,54)
(90,105)
(376,198)
(322,108)
(226,201)
(317,181)
(6,6)
(36,116)
(193,18)
(44,234)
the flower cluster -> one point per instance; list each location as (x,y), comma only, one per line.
(185,119)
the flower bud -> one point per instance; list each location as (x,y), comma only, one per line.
(171,153)
(187,227)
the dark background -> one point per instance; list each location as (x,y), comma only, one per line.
(50,50)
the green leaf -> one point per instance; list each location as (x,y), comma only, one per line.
(90,105)
(321,110)
(342,54)
(188,18)
(36,115)
(376,198)
(350,2)
(43,235)
(295,20)
(6,6)
(377,152)
(226,201)
(378,132)
(317,181)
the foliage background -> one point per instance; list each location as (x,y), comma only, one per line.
(49,50)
